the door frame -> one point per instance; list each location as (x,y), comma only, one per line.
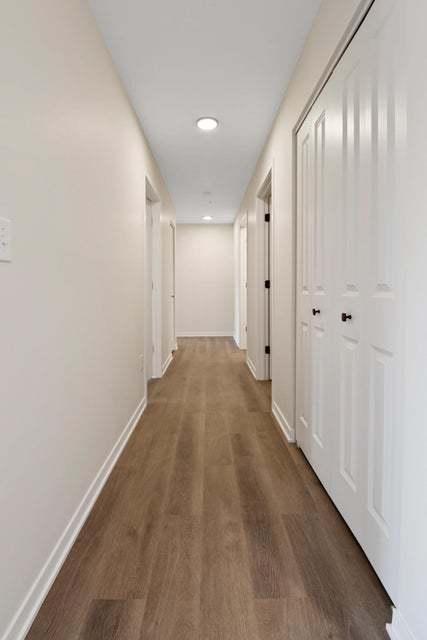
(156,274)
(243,283)
(352,28)
(264,365)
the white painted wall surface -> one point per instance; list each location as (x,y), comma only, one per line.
(205,279)
(410,617)
(72,180)
(328,29)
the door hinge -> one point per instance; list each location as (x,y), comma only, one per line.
(267,284)
(267,350)
(266,217)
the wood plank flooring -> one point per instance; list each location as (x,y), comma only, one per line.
(212,528)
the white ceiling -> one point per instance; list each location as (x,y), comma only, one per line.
(182,59)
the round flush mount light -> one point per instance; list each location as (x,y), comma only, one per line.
(207,217)
(207,123)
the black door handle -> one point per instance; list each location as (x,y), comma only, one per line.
(346,316)
(315,311)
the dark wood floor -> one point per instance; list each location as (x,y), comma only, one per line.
(212,528)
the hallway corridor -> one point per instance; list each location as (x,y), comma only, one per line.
(212,528)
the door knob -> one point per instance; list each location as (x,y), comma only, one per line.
(346,316)
(315,311)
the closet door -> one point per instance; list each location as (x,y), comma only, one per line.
(365,484)
(315,243)
(354,383)
(304,285)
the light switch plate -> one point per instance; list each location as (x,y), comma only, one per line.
(5,240)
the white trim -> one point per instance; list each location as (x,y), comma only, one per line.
(251,367)
(205,334)
(399,629)
(284,425)
(23,618)
(165,365)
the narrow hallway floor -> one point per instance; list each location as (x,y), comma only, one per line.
(211,527)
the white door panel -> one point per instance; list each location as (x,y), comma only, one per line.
(267,291)
(243,249)
(348,359)
(148,311)
(313,302)
(305,184)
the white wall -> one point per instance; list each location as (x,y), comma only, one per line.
(72,180)
(328,29)
(410,618)
(204,279)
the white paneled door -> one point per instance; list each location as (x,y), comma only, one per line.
(172,276)
(348,293)
(148,307)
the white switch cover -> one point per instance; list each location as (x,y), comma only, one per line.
(5,240)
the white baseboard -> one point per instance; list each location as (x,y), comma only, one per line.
(284,425)
(251,366)
(205,334)
(399,629)
(23,619)
(165,365)
(239,344)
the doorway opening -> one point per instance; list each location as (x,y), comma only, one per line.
(152,285)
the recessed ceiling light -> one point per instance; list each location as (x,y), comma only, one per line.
(207,123)
(207,217)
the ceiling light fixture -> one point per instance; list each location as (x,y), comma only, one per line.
(207,217)
(207,123)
